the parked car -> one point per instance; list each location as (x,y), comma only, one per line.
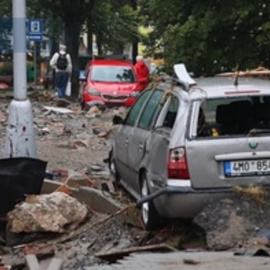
(182,145)
(110,82)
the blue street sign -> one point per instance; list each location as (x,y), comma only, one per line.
(35,29)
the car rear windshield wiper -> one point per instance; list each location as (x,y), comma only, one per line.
(256,131)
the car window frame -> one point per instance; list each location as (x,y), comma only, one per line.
(141,109)
(155,113)
(193,118)
(166,105)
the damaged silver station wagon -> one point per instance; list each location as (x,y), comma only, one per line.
(184,144)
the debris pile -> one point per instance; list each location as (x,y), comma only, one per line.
(235,222)
(84,219)
(56,212)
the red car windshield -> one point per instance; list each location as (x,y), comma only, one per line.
(112,74)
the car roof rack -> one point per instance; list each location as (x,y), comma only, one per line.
(183,76)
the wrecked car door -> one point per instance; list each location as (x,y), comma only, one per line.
(139,136)
(159,141)
(122,139)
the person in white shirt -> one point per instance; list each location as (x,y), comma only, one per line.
(61,63)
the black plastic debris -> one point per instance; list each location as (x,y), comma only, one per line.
(19,177)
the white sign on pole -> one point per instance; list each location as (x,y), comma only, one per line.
(35,29)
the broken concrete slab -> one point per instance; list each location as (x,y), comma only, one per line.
(97,200)
(56,212)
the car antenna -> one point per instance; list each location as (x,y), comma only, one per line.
(237,76)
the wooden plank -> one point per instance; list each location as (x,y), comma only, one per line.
(115,255)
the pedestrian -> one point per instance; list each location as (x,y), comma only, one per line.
(142,72)
(61,63)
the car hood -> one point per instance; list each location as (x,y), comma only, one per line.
(120,88)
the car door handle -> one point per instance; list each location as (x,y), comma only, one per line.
(141,147)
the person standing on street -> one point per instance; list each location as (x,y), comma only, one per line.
(61,63)
(142,72)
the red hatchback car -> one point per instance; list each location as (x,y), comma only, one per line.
(110,82)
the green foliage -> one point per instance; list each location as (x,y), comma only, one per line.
(114,24)
(211,36)
(5,8)
(6,68)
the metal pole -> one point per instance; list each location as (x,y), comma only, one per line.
(35,65)
(19,50)
(20,139)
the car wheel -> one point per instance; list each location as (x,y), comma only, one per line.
(150,216)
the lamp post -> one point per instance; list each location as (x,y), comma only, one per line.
(20,138)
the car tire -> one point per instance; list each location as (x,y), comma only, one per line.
(150,217)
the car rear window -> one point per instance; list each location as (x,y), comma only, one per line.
(234,116)
(112,74)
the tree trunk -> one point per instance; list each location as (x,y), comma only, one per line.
(90,35)
(135,39)
(72,37)
(99,44)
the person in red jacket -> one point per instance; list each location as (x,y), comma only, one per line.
(142,72)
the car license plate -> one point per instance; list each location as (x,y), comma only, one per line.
(247,167)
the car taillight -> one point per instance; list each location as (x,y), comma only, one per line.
(177,164)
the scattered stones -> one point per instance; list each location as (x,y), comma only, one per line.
(93,110)
(75,144)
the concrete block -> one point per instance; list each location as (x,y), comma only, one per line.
(96,199)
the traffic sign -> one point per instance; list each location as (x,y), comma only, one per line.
(35,29)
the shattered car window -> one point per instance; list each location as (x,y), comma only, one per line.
(234,116)
(171,113)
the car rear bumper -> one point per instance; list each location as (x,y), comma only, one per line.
(185,202)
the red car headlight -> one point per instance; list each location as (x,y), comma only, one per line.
(93,91)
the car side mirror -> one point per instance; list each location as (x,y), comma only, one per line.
(117,120)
